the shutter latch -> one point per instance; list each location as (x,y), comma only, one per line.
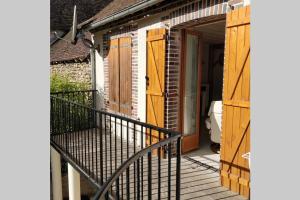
(147,81)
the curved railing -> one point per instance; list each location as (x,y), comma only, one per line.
(112,186)
(108,148)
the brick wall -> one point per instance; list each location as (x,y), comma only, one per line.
(177,19)
(172,79)
(77,72)
(129,31)
(196,10)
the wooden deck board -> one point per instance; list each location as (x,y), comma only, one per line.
(197,182)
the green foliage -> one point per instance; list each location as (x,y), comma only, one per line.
(63,114)
(60,83)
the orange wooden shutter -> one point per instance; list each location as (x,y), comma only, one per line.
(235,139)
(156,47)
(125,75)
(113,63)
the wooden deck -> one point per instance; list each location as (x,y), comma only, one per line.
(197,182)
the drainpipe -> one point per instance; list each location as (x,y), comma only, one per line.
(128,11)
(93,67)
(93,75)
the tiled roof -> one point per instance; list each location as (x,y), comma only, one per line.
(62,51)
(61,19)
(61,12)
(113,7)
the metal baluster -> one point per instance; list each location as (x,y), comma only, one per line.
(127,184)
(110,149)
(69,133)
(115,143)
(169,171)
(55,116)
(149,174)
(105,143)
(74,130)
(57,119)
(64,126)
(117,189)
(101,151)
(85,140)
(83,136)
(121,121)
(134,177)
(159,168)
(178,168)
(71,128)
(142,163)
(77,133)
(127,138)
(96,144)
(60,124)
(92,140)
(51,116)
(138,179)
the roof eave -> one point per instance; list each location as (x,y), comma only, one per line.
(122,13)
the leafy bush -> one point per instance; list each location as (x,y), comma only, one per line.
(63,84)
(60,83)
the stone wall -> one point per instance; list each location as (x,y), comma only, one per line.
(77,72)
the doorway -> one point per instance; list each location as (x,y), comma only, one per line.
(190,89)
(201,86)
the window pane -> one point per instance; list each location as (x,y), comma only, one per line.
(191,79)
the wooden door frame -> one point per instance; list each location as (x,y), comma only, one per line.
(182,90)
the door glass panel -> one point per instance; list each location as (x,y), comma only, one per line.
(191,80)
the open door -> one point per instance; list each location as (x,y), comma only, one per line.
(155,80)
(235,137)
(190,90)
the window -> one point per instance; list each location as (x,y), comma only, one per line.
(119,63)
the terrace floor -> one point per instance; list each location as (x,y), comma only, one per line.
(197,182)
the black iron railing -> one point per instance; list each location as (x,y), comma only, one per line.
(123,157)
(64,114)
(83,97)
(116,188)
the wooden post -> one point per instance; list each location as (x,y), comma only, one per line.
(56,175)
(74,183)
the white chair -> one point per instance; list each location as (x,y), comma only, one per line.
(213,123)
